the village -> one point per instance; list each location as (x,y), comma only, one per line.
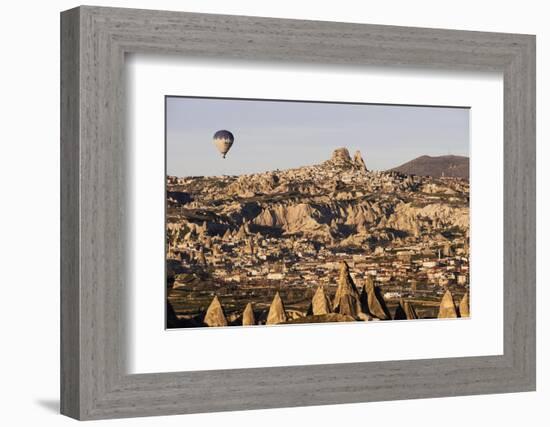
(245,240)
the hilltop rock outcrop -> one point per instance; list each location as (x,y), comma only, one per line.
(341,159)
(341,155)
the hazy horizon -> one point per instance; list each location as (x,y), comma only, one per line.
(273,135)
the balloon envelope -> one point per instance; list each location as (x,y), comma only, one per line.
(223,140)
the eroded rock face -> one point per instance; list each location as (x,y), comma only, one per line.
(447,308)
(320,218)
(290,217)
(244,186)
(410,218)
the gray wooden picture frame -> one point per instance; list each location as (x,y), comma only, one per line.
(94,41)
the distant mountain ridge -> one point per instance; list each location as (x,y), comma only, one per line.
(437,166)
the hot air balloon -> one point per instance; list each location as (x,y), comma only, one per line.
(223,140)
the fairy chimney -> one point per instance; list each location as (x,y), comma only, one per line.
(359,162)
(464,306)
(215,315)
(241,234)
(277,312)
(347,300)
(447,308)
(320,304)
(248,316)
(373,302)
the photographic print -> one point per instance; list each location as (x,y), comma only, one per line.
(283,212)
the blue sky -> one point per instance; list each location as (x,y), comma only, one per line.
(279,134)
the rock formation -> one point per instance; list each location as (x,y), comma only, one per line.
(241,234)
(277,313)
(373,302)
(347,300)
(407,217)
(324,202)
(341,155)
(320,304)
(248,316)
(358,161)
(291,218)
(227,234)
(215,315)
(464,306)
(447,308)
